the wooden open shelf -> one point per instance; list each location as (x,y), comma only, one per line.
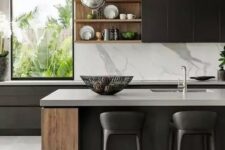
(124,6)
(123,1)
(134,8)
(117,41)
(107,20)
(99,27)
(119,1)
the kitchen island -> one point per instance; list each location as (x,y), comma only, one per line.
(70,117)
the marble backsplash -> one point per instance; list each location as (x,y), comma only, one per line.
(155,61)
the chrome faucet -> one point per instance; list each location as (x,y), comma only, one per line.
(184,85)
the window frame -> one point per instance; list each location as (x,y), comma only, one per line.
(40,78)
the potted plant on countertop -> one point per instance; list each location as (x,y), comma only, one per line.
(221,72)
(5,33)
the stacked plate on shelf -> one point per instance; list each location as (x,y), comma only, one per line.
(87,33)
(111,12)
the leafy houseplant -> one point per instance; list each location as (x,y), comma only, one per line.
(221,72)
(4,34)
(3,64)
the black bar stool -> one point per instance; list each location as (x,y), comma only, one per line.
(193,123)
(122,123)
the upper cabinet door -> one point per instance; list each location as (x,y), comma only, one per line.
(206,21)
(154,21)
(222,18)
(180,20)
(183,20)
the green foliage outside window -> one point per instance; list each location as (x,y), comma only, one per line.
(44,52)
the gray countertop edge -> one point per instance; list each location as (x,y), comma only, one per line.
(133,83)
(139,103)
(131,97)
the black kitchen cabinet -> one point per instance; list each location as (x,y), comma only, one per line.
(206,21)
(154,21)
(180,22)
(183,21)
(20,112)
(222,19)
(20,118)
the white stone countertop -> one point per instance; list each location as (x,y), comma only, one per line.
(135,82)
(132,97)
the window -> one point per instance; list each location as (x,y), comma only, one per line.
(42,39)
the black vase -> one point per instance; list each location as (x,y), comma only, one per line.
(3,66)
(221,75)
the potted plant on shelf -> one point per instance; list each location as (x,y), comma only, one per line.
(221,72)
(5,33)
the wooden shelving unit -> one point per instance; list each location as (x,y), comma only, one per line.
(124,6)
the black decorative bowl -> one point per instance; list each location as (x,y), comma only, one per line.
(106,85)
(202,78)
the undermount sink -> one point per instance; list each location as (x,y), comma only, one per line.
(179,90)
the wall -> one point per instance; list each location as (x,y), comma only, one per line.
(156,61)
(4,6)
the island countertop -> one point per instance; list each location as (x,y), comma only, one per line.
(132,97)
(133,83)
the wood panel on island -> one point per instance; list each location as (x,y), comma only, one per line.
(59,128)
(102,25)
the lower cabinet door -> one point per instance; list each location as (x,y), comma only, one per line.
(154,21)
(20,118)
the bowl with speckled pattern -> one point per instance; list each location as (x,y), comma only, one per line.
(106,85)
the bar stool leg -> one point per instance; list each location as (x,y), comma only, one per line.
(138,141)
(205,142)
(171,139)
(212,141)
(106,138)
(180,135)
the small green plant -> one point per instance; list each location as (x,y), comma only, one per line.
(222,59)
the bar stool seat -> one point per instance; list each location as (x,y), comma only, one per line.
(193,123)
(122,123)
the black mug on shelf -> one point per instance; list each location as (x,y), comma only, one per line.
(114,34)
